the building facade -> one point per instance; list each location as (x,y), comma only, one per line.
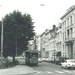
(68,29)
(52,45)
(38,45)
(59,39)
(48,43)
(43,45)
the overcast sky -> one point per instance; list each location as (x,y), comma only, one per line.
(43,16)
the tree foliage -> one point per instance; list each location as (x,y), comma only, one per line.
(18,29)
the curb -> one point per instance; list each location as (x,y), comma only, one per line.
(27,73)
(32,72)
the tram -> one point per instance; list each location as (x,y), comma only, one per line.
(31,57)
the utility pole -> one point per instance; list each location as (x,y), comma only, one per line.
(54,40)
(35,42)
(2,43)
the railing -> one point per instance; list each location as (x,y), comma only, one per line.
(69,39)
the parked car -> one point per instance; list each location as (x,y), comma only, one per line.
(40,60)
(46,59)
(60,60)
(43,59)
(69,63)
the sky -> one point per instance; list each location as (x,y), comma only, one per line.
(44,16)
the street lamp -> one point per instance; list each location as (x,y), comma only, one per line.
(41,4)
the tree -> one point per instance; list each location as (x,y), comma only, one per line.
(0,37)
(18,30)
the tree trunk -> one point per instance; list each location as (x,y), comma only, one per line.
(13,58)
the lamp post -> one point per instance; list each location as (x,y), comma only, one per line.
(2,43)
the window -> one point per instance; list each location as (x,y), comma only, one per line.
(71,32)
(71,20)
(65,23)
(68,21)
(68,33)
(63,36)
(63,50)
(72,61)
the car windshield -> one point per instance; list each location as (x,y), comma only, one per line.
(73,61)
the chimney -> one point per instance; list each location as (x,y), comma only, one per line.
(54,27)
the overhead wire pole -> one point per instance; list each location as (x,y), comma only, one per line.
(42,5)
(2,43)
(54,43)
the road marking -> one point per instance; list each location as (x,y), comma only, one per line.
(40,72)
(49,72)
(59,72)
(63,71)
(67,71)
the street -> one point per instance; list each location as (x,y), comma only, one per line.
(46,68)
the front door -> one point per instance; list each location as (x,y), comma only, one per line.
(70,50)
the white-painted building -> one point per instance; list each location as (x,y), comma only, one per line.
(48,45)
(64,41)
(68,30)
(43,45)
(38,45)
(59,39)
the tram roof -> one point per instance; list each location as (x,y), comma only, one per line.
(32,51)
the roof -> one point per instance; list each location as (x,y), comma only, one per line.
(68,11)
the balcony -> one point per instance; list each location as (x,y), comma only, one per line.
(69,40)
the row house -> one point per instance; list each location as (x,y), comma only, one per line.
(49,42)
(68,31)
(52,44)
(38,45)
(43,45)
(47,37)
(48,45)
(59,39)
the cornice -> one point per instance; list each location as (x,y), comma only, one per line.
(68,11)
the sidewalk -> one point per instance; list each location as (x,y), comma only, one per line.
(18,70)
